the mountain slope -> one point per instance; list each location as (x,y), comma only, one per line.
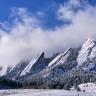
(35,66)
(16,70)
(30,65)
(61,64)
(62,69)
(87,56)
(4,70)
(87,52)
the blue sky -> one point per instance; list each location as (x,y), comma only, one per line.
(48,7)
(26,27)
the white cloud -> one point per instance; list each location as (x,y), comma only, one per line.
(65,12)
(41,14)
(75,3)
(26,39)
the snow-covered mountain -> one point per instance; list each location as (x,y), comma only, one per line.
(4,70)
(60,59)
(87,56)
(87,52)
(72,60)
(36,65)
(82,58)
(61,64)
(72,67)
(16,70)
(30,65)
(64,63)
(27,68)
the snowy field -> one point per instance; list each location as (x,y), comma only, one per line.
(31,92)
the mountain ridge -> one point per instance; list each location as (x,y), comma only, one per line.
(72,62)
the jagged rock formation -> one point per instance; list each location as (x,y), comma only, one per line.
(68,65)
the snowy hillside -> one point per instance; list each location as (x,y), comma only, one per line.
(87,56)
(29,66)
(87,52)
(88,87)
(61,58)
(72,67)
(57,67)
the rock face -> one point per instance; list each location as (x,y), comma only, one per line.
(87,52)
(60,64)
(16,70)
(33,64)
(83,58)
(87,56)
(25,69)
(36,65)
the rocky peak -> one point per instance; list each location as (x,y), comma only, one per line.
(87,52)
(61,58)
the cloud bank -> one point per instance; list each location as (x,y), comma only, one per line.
(26,39)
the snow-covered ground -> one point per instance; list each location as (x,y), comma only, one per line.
(88,87)
(31,92)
